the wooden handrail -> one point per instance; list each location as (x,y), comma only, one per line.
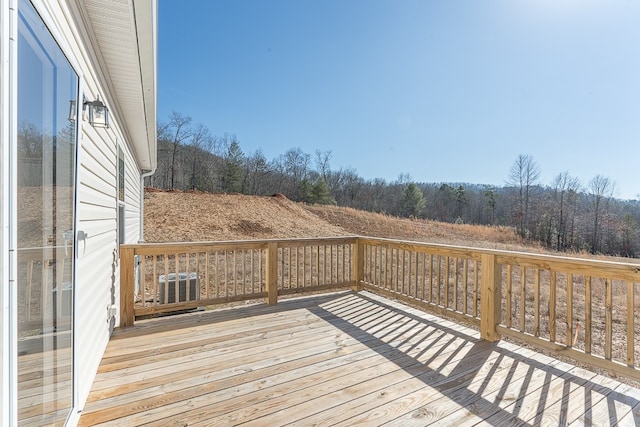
(556,303)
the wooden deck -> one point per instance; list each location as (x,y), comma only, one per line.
(339,359)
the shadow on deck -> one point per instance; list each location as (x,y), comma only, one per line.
(339,359)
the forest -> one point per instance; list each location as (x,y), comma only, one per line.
(565,215)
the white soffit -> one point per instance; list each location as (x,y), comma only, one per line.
(125,31)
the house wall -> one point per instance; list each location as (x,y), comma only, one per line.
(97,269)
(132,195)
(97,265)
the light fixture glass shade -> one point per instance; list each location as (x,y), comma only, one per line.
(72,111)
(98,114)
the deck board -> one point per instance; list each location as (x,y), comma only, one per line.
(339,359)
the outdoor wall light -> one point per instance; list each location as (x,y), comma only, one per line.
(98,113)
(72,111)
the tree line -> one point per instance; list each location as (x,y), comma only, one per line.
(565,214)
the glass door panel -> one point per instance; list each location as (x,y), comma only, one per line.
(46,170)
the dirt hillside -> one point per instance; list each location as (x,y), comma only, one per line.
(196,216)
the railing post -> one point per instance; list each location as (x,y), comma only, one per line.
(358,266)
(127,297)
(272,273)
(490,298)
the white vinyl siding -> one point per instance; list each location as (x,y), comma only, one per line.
(98,270)
(132,200)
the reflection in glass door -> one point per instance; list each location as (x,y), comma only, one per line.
(46,169)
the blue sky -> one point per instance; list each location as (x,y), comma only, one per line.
(445,91)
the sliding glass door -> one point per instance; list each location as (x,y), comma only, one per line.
(46,177)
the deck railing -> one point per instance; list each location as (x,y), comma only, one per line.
(584,309)
(157,278)
(42,273)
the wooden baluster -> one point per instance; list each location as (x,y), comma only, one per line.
(447,279)
(536,303)
(424,276)
(143,282)
(569,338)
(438,277)
(377,274)
(398,270)
(252,272)
(508,298)
(630,324)
(304,265)
(234,273)
(261,273)
(392,263)
(206,274)
(430,277)
(455,284)
(216,272)
(187,270)
(176,287)
(317,265)
(416,280)
(476,271)
(331,264)
(344,264)
(608,318)
(243,267)
(226,274)
(386,280)
(283,269)
(404,283)
(552,306)
(156,295)
(523,294)
(587,314)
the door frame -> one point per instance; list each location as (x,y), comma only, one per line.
(8,128)
(8,218)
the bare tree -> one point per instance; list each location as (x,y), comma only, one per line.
(322,163)
(256,170)
(564,186)
(201,142)
(524,175)
(296,166)
(351,187)
(601,191)
(176,131)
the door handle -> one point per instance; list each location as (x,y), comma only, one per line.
(68,237)
(82,236)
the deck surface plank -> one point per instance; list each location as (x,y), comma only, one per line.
(339,359)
